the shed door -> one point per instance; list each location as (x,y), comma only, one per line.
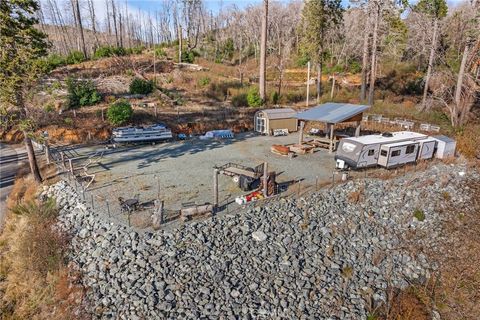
(260,125)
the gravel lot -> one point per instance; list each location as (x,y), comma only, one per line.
(184,170)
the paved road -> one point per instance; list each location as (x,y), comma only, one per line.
(11,158)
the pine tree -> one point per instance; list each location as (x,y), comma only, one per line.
(21,45)
(319,16)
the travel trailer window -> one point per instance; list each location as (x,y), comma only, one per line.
(395,153)
(371,152)
(383,153)
(410,149)
(348,147)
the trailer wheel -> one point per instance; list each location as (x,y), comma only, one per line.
(236,180)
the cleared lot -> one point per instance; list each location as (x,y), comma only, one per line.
(183,171)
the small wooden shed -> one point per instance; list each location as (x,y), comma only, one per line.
(268,120)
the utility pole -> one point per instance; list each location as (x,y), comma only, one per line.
(308,84)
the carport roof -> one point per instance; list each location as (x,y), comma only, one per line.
(332,112)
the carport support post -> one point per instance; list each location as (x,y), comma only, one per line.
(357,130)
(62,157)
(215,190)
(265,179)
(70,166)
(300,136)
(331,138)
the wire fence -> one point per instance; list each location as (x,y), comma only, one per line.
(112,208)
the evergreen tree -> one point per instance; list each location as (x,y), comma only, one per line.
(319,16)
(21,45)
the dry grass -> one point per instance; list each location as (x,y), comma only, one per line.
(468,141)
(454,289)
(407,305)
(34,278)
(24,189)
(356,196)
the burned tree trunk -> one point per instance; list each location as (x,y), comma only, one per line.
(263,52)
(430,64)
(373,66)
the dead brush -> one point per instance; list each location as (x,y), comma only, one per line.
(24,189)
(33,269)
(357,196)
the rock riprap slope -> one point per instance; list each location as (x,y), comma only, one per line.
(329,255)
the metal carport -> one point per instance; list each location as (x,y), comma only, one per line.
(332,113)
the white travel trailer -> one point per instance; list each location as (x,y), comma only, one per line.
(364,151)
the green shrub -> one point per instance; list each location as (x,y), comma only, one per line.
(102,52)
(354,66)
(189,56)
(81,93)
(160,52)
(228,49)
(110,51)
(119,112)
(51,62)
(68,121)
(413,86)
(140,86)
(302,60)
(203,81)
(135,50)
(119,51)
(74,57)
(275,97)
(240,100)
(56,85)
(419,214)
(49,107)
(253,98)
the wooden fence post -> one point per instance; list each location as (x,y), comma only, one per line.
(215,190)
(265,179)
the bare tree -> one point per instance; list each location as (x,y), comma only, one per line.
(436,9)
(91,10)
(78,21)
(263,52)
(114,16)
(376,18)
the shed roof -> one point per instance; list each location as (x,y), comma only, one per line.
(279,113)
(332,112)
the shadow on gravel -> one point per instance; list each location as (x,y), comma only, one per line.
(169,150)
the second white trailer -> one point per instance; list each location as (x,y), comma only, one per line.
(397,154)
